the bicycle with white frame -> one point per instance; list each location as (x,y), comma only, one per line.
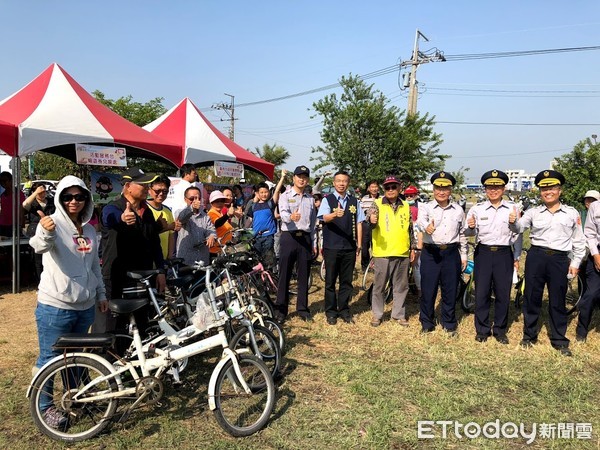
(86,388)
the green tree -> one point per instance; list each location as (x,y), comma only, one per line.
(363,134)
(275,154)
(581,168)
(141,114)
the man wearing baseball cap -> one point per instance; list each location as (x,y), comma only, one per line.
(130,241)
(297,244)
(555,233)
(444,253)
(391,225)
(496,256)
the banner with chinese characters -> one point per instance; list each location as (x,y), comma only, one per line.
(228,169)
(95,155)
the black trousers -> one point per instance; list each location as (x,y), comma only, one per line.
(546,267)
(338,264)
(589,299)
(493,267)
(439,267)
(365,255)
(293,249)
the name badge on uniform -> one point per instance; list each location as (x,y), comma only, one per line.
(483,218)
(292,200)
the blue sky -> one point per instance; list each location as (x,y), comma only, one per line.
(265,49)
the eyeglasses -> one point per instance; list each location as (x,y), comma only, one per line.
(78,197)
(390,187)
(193,198)
(161,191)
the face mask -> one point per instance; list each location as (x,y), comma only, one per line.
(411,202)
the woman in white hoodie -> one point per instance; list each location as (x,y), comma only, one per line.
(71,282)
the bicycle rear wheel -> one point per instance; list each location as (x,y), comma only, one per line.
(267,346)
(277,331)
(322,271)
(55,411)
(240,413)
(468,298)
(574,294)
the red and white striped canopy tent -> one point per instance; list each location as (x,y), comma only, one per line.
(203,143)
(53,112)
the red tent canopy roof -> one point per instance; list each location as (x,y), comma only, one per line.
(185,125)
(54,110)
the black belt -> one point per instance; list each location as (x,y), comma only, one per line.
(297,233)
(441,246)
(550,251)
(494,248)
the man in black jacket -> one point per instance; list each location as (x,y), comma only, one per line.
(130,240)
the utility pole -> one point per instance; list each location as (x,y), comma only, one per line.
(230,110)
(417,58)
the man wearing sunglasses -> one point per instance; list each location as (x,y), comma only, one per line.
(444,253)
(157,193)
(130,241)
(392,253)
(197,233)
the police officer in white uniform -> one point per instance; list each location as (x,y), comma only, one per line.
(555,231)
(494,257)
(444,253)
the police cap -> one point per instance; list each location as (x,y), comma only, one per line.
(549,178)
(443,179)
(494,178)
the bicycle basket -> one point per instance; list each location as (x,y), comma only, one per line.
(203,317)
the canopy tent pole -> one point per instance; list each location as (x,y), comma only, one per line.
(16,225)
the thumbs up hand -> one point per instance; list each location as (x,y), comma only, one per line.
(196,205)
(512,217)
(162,223)
(46,222)
(430,228)
(295,216)
(339,212)
(128,215)
(471,222)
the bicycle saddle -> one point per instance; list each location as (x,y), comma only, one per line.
(73,340)
(126,305)
(143,274)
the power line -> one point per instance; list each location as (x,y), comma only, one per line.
(493,55)
(522,124)
(396,67)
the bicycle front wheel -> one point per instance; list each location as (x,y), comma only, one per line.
(58,414)
(240,413)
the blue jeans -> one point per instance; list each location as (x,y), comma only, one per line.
(52,323)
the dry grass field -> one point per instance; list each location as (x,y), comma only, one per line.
(349,386)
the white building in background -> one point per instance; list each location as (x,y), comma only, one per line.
(518,180)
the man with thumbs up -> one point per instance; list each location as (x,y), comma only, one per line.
(557,248)
(130,241)
(342,218)
(444,253)
(496,256)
